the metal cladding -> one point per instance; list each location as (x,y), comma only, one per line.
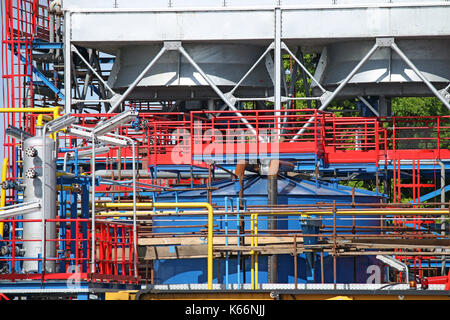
(172,77)
(385,73)
(33,191)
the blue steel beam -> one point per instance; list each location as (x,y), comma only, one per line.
(431,195)
(46,81)
(47,45)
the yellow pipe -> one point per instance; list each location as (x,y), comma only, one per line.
(345,212)
(40,119)
(377,212)
(172,205)
(254,254)
(65,188)
(54,110)
(3,192)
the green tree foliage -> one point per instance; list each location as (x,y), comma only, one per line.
(418,107)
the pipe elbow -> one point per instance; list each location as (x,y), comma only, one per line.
(55,7)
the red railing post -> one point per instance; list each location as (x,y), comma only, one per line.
(438,124)
(377,141)
(13,253)
(257,133)
(116,271)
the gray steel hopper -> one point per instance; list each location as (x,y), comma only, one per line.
(385,73)
(174,78)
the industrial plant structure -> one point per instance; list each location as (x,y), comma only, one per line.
(208,149)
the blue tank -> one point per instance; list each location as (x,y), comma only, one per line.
(290,191)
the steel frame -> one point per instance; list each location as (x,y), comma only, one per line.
(332,136)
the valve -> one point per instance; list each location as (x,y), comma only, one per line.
(31,152)
(30,174)
(4,250)
(7,250)
(8,184)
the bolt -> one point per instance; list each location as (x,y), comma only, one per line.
(30,174)
(31,152)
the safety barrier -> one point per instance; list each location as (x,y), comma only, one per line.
(114,257)
(199,136)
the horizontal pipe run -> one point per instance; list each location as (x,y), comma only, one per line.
(293,213)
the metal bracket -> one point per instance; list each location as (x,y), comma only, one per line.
(115,98)
(270,68)
(324,97)
(264,167)
(445,94)
(385,42)
(231,99)
(172,45)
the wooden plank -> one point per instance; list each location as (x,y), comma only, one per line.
(217,240)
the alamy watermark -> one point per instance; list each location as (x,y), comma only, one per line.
(225,145)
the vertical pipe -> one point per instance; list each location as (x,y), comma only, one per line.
(321,267)
(3,191)
(334,245)
(238,239)
(67,63)
(272,199)
(444,223)
(93,205)
(256,253)
(295,261)
(133,145)
(226,241)
(252,252)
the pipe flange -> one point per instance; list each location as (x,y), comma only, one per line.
(5,185)
(31,152)
(30,174)
(4,250)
